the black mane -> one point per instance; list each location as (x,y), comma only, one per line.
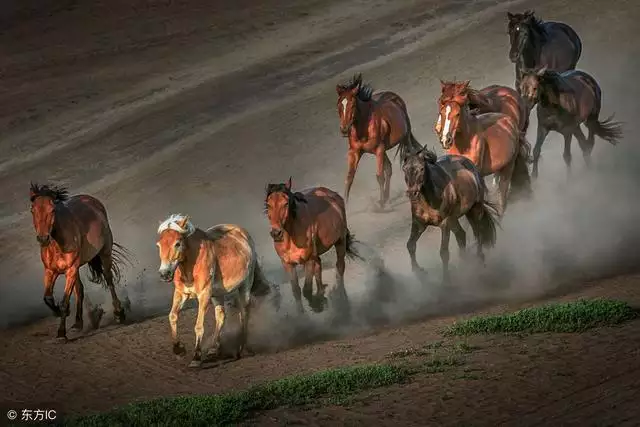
(293,197)
(534,23)
(56,192)
(365,91)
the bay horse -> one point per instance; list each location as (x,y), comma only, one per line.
(565,101)
(440,191)
(74,231)
(492,141)
(305,225)
(209,266)
(535,44)
(373,123)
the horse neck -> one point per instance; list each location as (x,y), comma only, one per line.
(64,231)
(466,124)
(297,226)
(430,191)
(193,246)
(363,113)
(531,51)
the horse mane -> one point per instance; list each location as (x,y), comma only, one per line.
(171,223)
(56,192)
(429,155)
(294,197)
(478,100)
(555,82)
(365,90)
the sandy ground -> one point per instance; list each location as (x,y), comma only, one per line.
(159,107)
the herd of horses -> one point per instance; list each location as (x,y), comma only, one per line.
(481,131)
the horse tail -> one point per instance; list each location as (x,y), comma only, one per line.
(485,223)
(520,179)
(262,287)
(407,145)
(352,253)
(119,256)
(607,129)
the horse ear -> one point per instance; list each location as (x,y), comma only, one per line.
(287,185)
(182,223)
(528,13)
(510,16)
(541,71)
(339,89)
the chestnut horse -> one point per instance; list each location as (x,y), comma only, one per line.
(441,190)
(209,266)
(566,100)
(374,123)
(305,225)
(492,141)
(535,44)
(74,231)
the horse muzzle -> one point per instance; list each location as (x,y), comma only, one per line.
(277,234)
(167,271)
(513,57)
(446,142)
(344,130)
(413,194)
(44,240)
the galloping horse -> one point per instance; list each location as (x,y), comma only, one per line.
(74,231)
(441,190)
(535,44)
(305,225)
(374,123)
(492,141)
(566,100)
(209,266)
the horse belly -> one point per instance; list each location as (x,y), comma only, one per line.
(396,121)
(502,140)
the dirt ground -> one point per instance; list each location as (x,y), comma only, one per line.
(159,107)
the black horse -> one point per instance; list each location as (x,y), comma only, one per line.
(536,44)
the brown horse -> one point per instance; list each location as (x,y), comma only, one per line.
(536,44)
(441,190)
(566,100)
(305,225)
(72,232)
(374,123)
(209,266)
(492,141)
(500,99)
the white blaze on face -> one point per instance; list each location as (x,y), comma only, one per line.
(447,124)
(344,106)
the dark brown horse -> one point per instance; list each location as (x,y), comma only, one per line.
(492,141)
(535,44)
(305,225)
(374,123)
(566,100)
(74,231)
(441,190)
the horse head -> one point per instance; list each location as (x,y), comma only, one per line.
(531,85)
(414,168)
(519,28)
(44,199)
(172,233)
(348,96)
(280,206)
(452,100)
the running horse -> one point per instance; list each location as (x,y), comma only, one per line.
(209,266)
(373,123)
(441,190)
(492,141)
(536,44)
(304,226)
(74,231)
(565,101)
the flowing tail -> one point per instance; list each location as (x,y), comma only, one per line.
(607,129)
(408,145)
(484,225)
(119,256)
(262,287)
(352,253)
(521,180)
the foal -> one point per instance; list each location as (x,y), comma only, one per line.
(210,265)
(441,190)
(305,225)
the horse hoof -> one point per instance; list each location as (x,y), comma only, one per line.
(78,326)
(61,339)
(96,316)
(179,349)
(195,364)
(120,317)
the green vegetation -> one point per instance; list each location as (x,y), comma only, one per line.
(574,316)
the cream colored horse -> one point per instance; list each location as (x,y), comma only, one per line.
(209,266)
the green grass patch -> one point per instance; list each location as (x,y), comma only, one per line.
(576,316)
(225,409)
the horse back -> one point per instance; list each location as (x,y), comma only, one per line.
(505,100)
(89,216)
(464,184)
(234,254)
(324,212)
(584,96)
(562,49)
(393,111)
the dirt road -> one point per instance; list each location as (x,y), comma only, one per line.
(162,107)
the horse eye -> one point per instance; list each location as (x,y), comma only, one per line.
(177,244)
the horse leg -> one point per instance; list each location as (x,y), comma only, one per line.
(50,277)
(444,251)
(504,183)
(566,155)
(461,237)
(353,158)
(78,290)
(542,135)
(417,228)
(178,302)
(70,282)
(388,171)
(107,263)
(204,299)
(307,288)
(341,253)
(380,173)
(220,318)
(295,287)
(586,145)
(317,272)
(243,315)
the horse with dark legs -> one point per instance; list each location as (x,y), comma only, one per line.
(74,231)
(304,226)
(373,123)
(536,43)
(492,141)
(441,190)
(565,101)
(209,266)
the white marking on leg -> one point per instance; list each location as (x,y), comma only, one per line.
(344,106)
(447,124)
